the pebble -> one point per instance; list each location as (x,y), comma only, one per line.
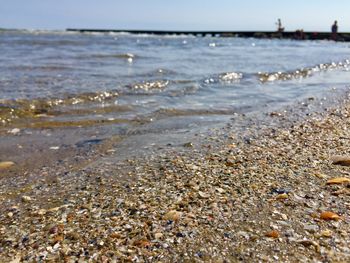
(308,243)
(311,228)
(326,233)
(282,196)
(26,199)
(173,215)
(188,145)
(14,131)
(203,195)
(6,164)
(158,235)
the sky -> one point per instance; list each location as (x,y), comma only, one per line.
(224,15)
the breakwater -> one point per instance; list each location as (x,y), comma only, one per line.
(298,34)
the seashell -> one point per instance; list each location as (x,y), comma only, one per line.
(272,234)
(6,164)
(326,233)
(338,180)
(282,196)
(203,195)
(142,243)
(341,160)
(326,215)
(172,215)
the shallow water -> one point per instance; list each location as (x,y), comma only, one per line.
(122,85)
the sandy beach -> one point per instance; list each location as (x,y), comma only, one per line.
(276,192)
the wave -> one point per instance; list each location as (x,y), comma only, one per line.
(150,86)
(172,112)
(265,77)
(226,77)
(106,55)
(12,110)
(302,73)
(41,68)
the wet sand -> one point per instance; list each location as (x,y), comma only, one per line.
(256,195)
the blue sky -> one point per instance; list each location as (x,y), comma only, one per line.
(311,15)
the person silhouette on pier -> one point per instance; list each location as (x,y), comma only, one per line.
(279,25)
(335,30)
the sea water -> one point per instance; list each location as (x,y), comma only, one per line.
(105,85)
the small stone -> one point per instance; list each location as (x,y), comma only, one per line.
(220,190)
(320,175)
(41,212)
(203,195)
(311,228)
(26,199)
(326,233)
(17,259)
(158,235)
(6,164)
(308,243)
(72,236)
(284,216)
(173,215)
(282,196)
(188,144)
(14,131)
(10,214)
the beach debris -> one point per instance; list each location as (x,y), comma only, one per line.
(341,160)
(272,234)
(338,180)
(327,215)
(6,164)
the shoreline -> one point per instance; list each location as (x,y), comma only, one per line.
(252,196)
